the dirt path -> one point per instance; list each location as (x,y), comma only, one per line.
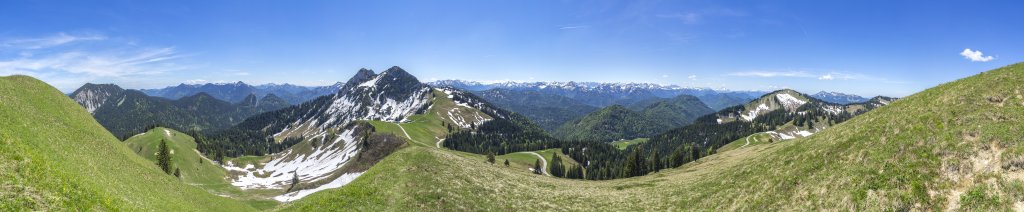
(439,142)
(543,163)
(403,131)
(748,140)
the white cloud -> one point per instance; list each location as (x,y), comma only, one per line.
(975,56)
(68,66)
(692,77)
(100,64)
(772,74)
(826,77)
(49,41)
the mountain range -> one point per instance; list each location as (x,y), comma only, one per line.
(238,91)
(642,119)
(388,141)
(839,98)
(128,112)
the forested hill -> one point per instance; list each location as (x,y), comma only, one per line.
(784,114)
(549,111)
(128,112)
(642,119)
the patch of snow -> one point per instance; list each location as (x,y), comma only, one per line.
(789,101)
(314,166)
(370,83)
(719,121)
(753,113)
(833,109)
(167,132)
(336,183)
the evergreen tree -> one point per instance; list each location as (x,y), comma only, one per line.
(635,165)
(655,161)
(536,167)
(556,166)
(490,157)
(177,173)
(295,181)
(506,162)
(163,157)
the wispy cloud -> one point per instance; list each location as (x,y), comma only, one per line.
(573,27)
(49,41)
(772,74)
(699,16)
(101,64)
(66,66)
(975,56)
(692,77)
(687,18)
(826,77)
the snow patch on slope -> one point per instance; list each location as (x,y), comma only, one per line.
(336,183)
(789,102)
(753,113)
(310,167)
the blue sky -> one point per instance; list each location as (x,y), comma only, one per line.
(868,48)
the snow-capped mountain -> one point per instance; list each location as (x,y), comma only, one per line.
(92,96)
(796,114)
(238,91)
(326,134)
(839,98)
(599,94)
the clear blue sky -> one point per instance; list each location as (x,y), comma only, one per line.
(862,47)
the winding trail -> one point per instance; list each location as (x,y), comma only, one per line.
(439,142)
(543,163)
(748,140)
(403,131)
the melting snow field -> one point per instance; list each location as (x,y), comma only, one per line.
(753,113)
(337,183)
(789,101)
(310,167)
(790,135)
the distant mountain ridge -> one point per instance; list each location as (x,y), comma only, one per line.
(643,119)
(128,112)
(547,110)
(238,91)
(839,98)
(600,94)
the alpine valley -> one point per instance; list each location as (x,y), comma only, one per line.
(387,141)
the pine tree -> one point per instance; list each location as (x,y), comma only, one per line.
(295,181)
(163,157)
(177,173)
(655,161)
(536,167)
(490,157)
(556,166)
(506,162)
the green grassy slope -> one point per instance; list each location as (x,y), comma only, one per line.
(197,170)
(955,146)
(54,156)
(622,144)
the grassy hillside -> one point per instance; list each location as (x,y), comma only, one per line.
(54,156)
(197,170)
(955,146)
